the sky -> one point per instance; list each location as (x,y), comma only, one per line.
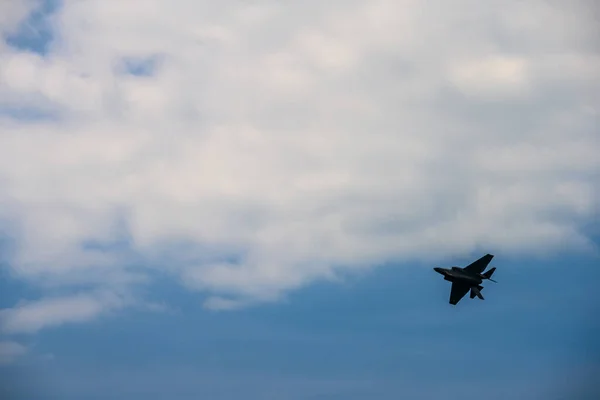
(245,199)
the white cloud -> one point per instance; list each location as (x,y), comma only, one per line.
(29,317)
(11,14)
(280,143)
(495,75)
(10,351)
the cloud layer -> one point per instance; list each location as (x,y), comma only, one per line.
(248,149)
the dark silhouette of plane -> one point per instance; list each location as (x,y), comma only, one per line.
(467,278)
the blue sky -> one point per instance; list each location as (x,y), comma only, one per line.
(389,334)
(201,201)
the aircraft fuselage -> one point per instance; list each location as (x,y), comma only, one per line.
(456,274)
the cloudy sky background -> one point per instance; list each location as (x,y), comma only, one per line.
(202,198)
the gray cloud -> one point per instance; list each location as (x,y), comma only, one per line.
(276,144)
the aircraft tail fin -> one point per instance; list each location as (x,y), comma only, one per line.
(488,274)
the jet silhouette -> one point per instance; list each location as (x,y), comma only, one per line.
(467,278)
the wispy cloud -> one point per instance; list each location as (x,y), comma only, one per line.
(220,303)
(13,14)
(30,317)
(277,144)
(11,351)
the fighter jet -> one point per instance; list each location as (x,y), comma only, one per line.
(467,278)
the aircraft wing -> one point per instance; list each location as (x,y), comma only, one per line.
(477,267)
(458,291)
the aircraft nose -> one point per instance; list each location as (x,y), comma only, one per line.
(438,270)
